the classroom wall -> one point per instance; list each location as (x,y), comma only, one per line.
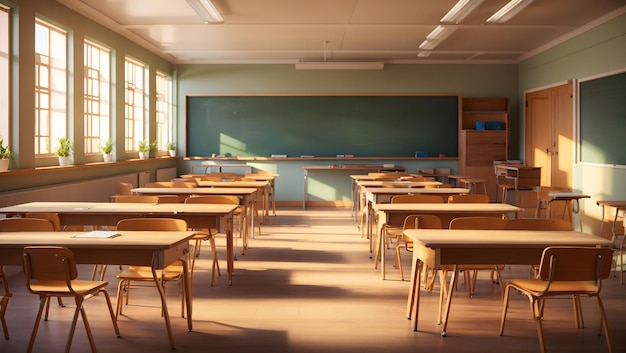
(468,80)
(600,50)
(23,173)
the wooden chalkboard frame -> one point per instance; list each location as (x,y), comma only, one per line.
(437,112)
(602,119)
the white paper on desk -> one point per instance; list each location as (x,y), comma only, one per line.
(98,234)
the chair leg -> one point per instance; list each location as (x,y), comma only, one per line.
(604,325)
(399,260)
(4,302)
(31,343)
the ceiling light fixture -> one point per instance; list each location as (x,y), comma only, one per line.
(508,11)
(206,10)
(438,35)
(459,11)
(339,65)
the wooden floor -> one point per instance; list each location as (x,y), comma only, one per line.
(307,284)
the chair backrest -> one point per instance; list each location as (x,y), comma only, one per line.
(26,225)
(219,199)
(169,199)
(569,263)
(417,199)
(124,189)
(184,184)
(156,224)
(438,186)
(478,223)
(422,221)
(538,224)
(158,184)
(420,179)
(543,191)
(51,216)
(136,199)
(210,178)
(48,263)
(185,180)
(468,198)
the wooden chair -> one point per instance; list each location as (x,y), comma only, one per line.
(168,199)
(538,224)
(468,198)
(185,180)
(17,224)
(137,199)
(124,189)
(564,271)
(158,184)
(51,272)
(143,274)
(395,232)
(471,271)
(544,200)
(416,221)
(51,216)
(209,234)
(438,186)
(4,301)
(44,224)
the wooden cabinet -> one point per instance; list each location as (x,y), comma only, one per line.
(479,148)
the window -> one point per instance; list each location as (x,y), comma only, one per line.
(96,99)
(134,105)
(4,72)
(50,86)
(164,121)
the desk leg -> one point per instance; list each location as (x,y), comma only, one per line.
(188,294)
(229,248)
(413,304)
(158,281)
(448,303)
(305,190)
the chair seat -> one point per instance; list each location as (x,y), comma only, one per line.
(144,273)
(536,286)
(57,288)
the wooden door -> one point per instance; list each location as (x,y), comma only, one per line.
(549,134)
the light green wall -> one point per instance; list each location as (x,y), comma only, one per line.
(22,80)
(468,80)
(598,51)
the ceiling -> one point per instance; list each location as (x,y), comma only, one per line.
(291,31)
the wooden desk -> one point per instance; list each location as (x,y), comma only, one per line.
(271,178)
(619,205)
(209,166)
(436,248)
(154,249)
(568,197)
(262,186)
(108,213)
(517,176)
(356,190)
(246,195)
(377,168)
(393,214)
(384,195)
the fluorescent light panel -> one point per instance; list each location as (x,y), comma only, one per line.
(340,65)
(206,10)
(438,35)
(459,11)
(508,11)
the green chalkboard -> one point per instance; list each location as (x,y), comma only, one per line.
(603,120)
(322,126)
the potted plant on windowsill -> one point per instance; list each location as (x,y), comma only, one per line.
(5,156)
(171,149)
(146,147)
(107,150)
(63,151)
